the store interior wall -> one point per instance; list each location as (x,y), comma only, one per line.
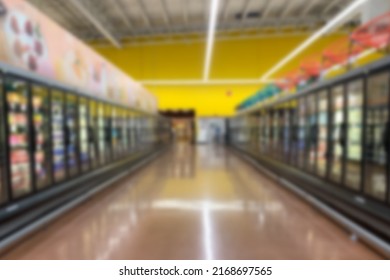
(210,130)
(233,59)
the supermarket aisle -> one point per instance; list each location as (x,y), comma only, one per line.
(193,203)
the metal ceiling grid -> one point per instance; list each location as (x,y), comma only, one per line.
(122,20)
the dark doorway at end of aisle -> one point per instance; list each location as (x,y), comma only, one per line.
(182,124)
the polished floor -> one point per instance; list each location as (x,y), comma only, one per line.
(193,203)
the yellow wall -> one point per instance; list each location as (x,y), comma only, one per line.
(206,100)
(234,59)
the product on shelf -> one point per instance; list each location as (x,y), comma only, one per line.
(17,122)
(58,139)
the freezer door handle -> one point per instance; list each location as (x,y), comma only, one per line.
(33,142)
(386,137)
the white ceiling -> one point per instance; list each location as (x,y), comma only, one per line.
(127,19)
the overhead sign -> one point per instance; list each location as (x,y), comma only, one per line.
(31,41)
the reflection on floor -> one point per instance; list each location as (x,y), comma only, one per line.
(193,203)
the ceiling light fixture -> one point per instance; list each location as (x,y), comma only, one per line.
(337,21)
(210,38)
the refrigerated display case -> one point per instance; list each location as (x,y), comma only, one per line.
(311,133)
(337,134)
(83,134)
(130,141)
(286,133)
(58,135)
(41,136)
(275,134)
(294,147)
(137,131)
(119,131)
(301,133)
(18,137)
(107,133)
(267,132)
(124,137)
(377,136)
(352,149)
(115,147)
(322,146)
(101,132)
(71,135)
(3,185)
(354,138)
(93,134)
(263,134)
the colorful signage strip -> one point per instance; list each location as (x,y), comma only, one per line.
(31,41)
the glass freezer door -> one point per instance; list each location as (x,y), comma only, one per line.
(18,139)
(114,133)
(124,137)
(311,133)
(71,135)
(286,133)
(130,133)
(41,136)
(107,133)
(293,156)
(3,187)
(353,169)
(338,134)
(93,134)
(83,134)
(302,111)
(377,136)
(322,146)
(101,133)
(275,133)
(58,135)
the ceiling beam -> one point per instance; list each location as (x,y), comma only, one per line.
(288,7)
(122,12)
(225,13)
(330,6)
(144,13)
(58,13)
(266,9)
(185,8)
(165,12)
(198,28)
(245,10)
(71,14)
(206,10)
(307,7)
(96,22)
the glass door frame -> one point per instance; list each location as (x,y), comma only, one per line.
(8,175)
(366,77)
(69,94)
(309,131)
(327,92)
(50,139)
(86,100)
(342,84)
(294,134)
(363,78)
(5,176)
(62,92)
(93,129)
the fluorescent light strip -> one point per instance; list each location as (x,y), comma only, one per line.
(332,24)
(210,38)
(203,82)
